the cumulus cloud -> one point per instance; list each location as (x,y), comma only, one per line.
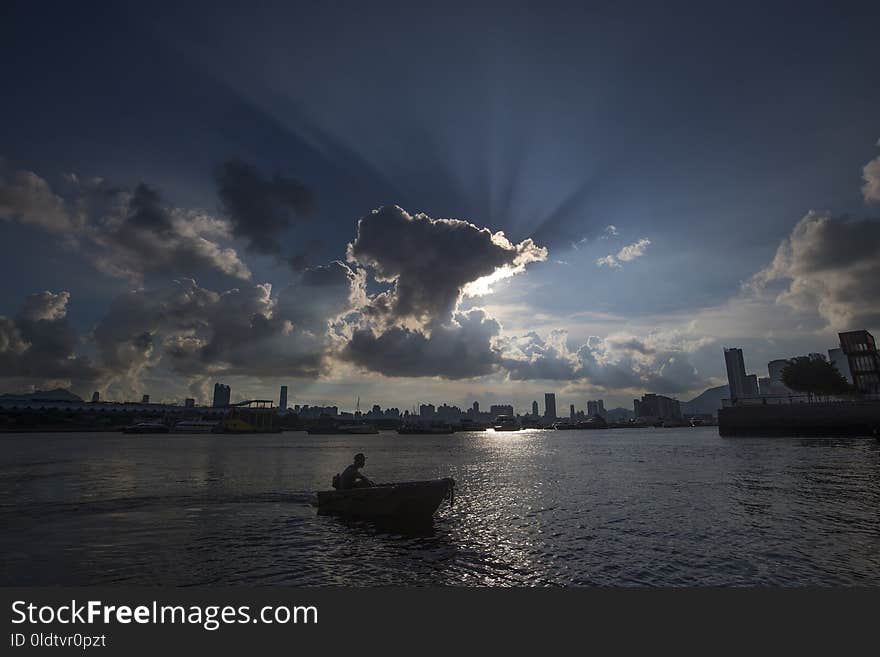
(195,332)
(626,254)
(660,363)
(415,327)
(126,233)
(871,176)
(828,265)
(429,261)
(260,208)
(38,346)
(463,348)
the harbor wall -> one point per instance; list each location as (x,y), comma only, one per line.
(857,418)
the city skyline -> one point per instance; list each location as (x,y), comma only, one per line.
(592,217)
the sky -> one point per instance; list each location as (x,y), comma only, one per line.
(406,203)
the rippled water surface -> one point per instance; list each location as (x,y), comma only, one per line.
(674,507)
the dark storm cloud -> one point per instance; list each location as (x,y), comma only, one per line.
(124,233)
(459,350)
(830,265)
(38,347)
(260,208)
(430,261)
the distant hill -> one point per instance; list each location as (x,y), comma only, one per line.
(709,401)
(59,394)
(619,414)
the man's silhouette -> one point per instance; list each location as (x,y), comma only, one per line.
(351,476)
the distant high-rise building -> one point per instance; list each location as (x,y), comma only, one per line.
(189,402)
(571,412)
(658,407)
(592,408)
(96,397)
(864,361)
(282,402)
(476,407)
(500,409)
(736,373)
(145,399)
(550,405)
(427,411)
(221,395)
(535,408)
(751,385)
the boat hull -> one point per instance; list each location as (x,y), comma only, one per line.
(414,501)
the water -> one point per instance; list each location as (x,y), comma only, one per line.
(668,507)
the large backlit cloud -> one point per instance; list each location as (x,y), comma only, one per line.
(430,261)
(415,328)
(829,265)
(124,232)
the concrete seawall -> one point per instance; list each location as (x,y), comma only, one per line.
(817,419)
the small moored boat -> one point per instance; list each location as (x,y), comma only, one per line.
(407,502)
(146,427)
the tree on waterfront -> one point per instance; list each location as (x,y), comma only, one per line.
(814,376)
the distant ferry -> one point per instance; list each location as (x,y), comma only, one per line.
(506,423)
(195,426)
(146,427)
(356,428)
(595,422)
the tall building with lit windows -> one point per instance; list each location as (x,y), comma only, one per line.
(864,361)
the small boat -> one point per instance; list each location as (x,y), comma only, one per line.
(427,429)
(357,428)
(407,502)
(506,423)
(146,427)
(195,426)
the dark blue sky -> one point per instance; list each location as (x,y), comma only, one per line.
(709,129)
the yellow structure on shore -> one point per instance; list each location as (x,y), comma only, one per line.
(251,416)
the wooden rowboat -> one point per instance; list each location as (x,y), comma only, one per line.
(411,501)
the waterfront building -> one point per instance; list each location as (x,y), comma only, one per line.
(221,395)
(535,409)
(426,411)
(282,402)
(145,399)
(596,408)
(550,405)
(189,402)
(571,412)
(864,361)
(96,397)
(657,407)
(500,409)
(736,372)
(751,385)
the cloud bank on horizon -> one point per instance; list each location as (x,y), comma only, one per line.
(401,306)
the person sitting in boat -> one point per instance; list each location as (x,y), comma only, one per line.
(351,477)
